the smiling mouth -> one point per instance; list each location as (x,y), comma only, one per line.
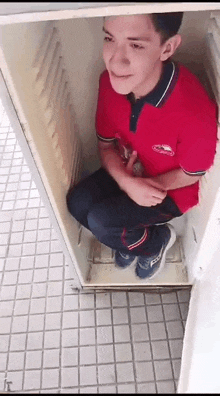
(120,77)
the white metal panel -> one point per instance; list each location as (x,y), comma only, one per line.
(52,87)
(18,48)
(57,11)
(201,346)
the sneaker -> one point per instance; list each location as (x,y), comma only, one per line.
(123,260)
(148,267)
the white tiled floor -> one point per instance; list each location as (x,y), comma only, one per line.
(54,339)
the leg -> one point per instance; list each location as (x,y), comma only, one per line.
(90,191)
(121,224)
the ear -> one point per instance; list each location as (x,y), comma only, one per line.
(170,46)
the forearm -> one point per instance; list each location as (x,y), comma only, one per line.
(175,179)
(112,162)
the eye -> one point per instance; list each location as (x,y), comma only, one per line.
(107,39)
(137,46)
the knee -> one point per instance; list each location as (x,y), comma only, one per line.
(77,203)
(97,225)
(71,201)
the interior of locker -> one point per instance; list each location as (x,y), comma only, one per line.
(60,130)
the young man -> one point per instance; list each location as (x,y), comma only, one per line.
(157,131)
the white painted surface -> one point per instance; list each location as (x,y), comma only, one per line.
(201,348)
(30,12)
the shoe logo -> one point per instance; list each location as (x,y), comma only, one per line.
(154,261)
(163,149)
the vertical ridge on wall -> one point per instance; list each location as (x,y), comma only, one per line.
(52,88)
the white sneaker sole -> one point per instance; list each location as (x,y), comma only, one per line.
(163,260)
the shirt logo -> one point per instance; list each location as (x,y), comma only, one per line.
(163,149)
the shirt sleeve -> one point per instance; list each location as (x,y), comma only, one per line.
(105,130)
(196,147)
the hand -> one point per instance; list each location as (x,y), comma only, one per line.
(129,165)
(145,191)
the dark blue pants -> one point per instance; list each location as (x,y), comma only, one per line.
(116,220)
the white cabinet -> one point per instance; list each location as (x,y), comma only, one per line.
(45,42)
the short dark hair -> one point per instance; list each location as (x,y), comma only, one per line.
(167,24)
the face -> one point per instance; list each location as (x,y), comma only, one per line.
(132,53)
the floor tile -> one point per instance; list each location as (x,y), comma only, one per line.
(35,340)
(104,335)
(121,333)
(155,313)
(139,332)
(148,387)
(119,299)
(125,372)
(106,374)
(18,342)
(87,318)
(176,347)
(157,331)
(16,361)
(103,300)
(126,388)
(163,370)
(105,353)
(107,389)
(87,355)
(51,358)
(70,338)
(69,376)
(50,378)
(103,317)
(70,357)
(70,320)
(142,351)
(33,360)
(171,312)
(160,350)
(174,329)
(120,316)
(165,387)
(144,371)
(87,336)
(123,352)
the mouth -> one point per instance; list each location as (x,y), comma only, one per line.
(122,77)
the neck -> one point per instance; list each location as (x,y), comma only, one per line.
(150,83)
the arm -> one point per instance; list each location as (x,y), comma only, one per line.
(175,179)
(143,191)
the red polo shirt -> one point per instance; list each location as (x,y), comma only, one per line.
(174,126)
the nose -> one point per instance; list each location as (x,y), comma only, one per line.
(119,56)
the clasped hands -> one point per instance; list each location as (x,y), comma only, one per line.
(144,191)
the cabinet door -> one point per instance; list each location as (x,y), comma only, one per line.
(41,115)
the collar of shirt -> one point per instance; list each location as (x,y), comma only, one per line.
(157,97)
(162,90)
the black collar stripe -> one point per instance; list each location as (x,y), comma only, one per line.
(168,85)
(157,97)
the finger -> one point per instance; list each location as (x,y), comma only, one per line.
(131,160)
(159,194)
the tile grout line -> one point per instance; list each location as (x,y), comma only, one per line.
(10,335)
(132,343)
(79,342)
(45,307)
(168,343)
(113,341)
(96,344)
(61,326)
(150,343)
(27,332)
